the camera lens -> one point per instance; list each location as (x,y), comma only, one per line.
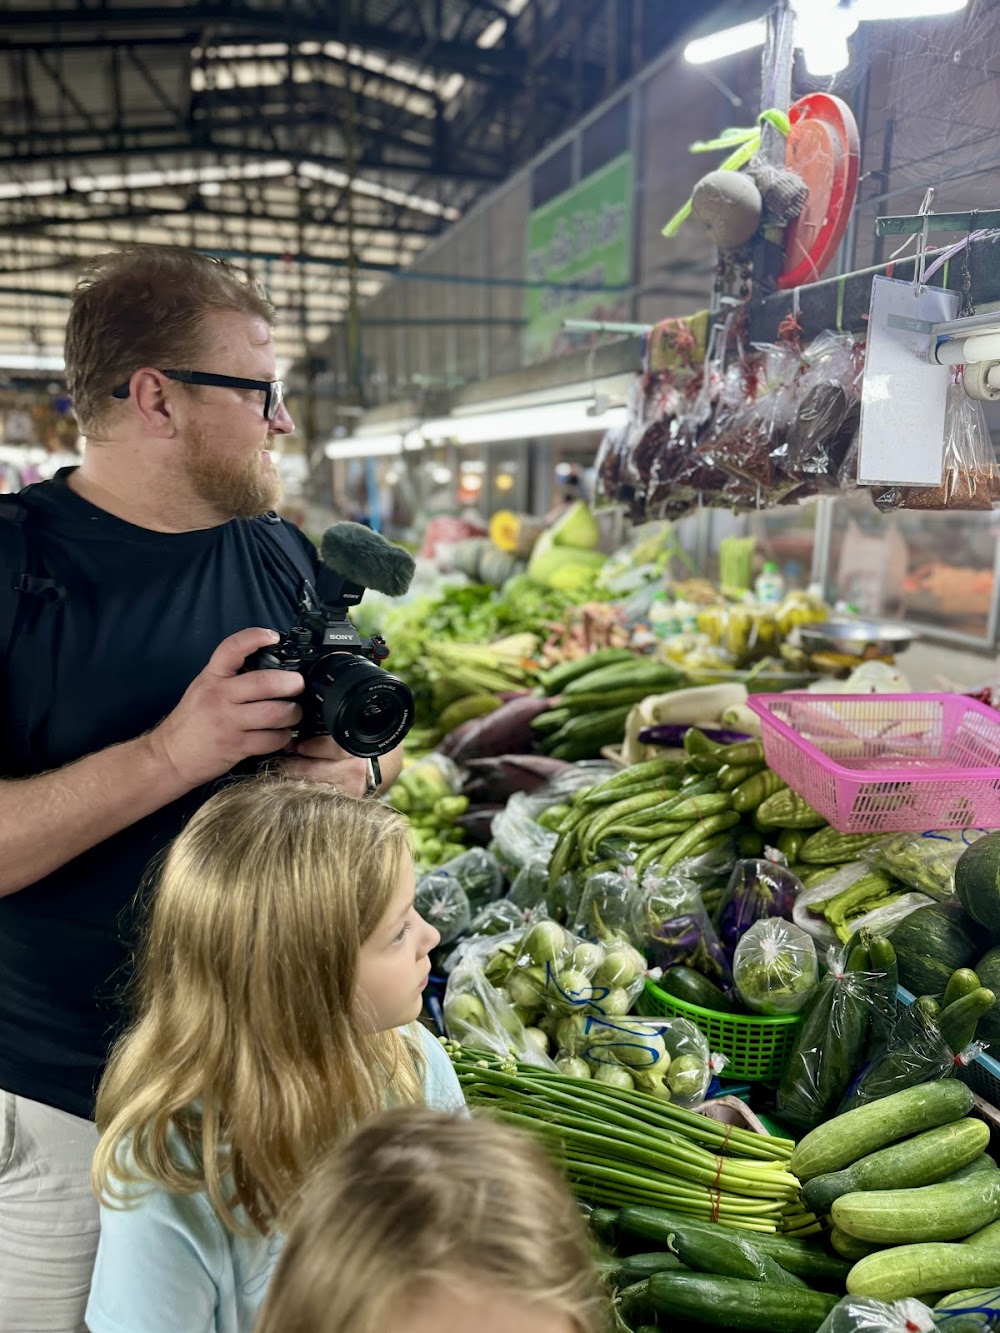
(364,709)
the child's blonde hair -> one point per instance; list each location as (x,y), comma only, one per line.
(245,1053)
(416,1198)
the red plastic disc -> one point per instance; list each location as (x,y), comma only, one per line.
(823,147)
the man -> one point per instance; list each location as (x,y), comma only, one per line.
(151,577)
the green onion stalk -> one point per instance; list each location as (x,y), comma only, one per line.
(618,1147)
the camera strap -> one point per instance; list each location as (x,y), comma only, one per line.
(292,554)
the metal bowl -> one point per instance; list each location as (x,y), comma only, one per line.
(860,638)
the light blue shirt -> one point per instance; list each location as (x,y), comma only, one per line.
(168,1264)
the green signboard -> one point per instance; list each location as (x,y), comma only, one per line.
(584,237)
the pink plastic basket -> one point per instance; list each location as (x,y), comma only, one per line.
(886,763)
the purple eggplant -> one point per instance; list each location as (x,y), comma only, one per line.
(507,730)
(477,823)
(671,735)
(498,778)
(756,889)
(690,940)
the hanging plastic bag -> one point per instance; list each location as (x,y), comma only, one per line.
(775,967)
(827,412)
(829,1046)
(924,862)
(671,927)
(746,444)
(757,888)
(969,470)
(860,1314)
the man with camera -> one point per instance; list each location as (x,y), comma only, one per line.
(134,587)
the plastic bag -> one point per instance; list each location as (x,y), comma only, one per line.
(866,900)
(479,1014)
(966,1311)
(607,904)
(746,443)
(827,412)
(444,904)
(924,862)
(664,1056)
(860,1314)
(917,1053)
(671,926)
(775,967)
(829,1046)
(518,839)
(558,973)
(969,470)
(757,889)
(496,918)
(478,873)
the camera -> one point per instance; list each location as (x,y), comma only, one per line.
(347,693)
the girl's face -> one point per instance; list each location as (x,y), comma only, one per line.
(393,967)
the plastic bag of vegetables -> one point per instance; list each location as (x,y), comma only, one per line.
(479,1014)
(671,926)
(558,973)
(444,904)
(478,873)
(775,967)
(829,1046)
(924,862)
(518,839)
(854,897)
(758,888)
(665,1056)
(607,904)
(860,1314)
(496,918)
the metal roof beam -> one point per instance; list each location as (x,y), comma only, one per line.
(20,226)
(278,24)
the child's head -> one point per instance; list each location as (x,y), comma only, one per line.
(421,1222)
(282,951)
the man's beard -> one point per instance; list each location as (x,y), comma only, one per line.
(236,489)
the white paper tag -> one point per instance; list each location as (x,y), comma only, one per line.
(901,439)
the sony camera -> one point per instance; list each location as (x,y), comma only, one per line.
(347,693)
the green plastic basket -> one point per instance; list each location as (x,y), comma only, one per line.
(757,1048)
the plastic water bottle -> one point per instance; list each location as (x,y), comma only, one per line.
(770,586)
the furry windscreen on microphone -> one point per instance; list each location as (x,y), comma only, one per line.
(362,556)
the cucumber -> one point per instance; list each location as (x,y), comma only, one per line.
(801,1257)
(977,881)
(729,1302)
(958,1021)
(729,1256)
(922,1160)
(962,982)
(639,672)
(555,680)
(684,983)
(849,1246)
(855,1134)
(915,1270)
(950,1210)
(638,1267)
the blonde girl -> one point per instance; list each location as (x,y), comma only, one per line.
(423,1222)
(278,985)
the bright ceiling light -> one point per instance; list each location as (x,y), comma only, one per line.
(376,446)
(870,11)
(728,42)
(30,361)
(825,54)
(525,423)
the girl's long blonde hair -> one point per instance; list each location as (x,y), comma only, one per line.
(245,1062)
(415,1199)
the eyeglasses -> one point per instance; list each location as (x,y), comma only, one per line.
(273,390)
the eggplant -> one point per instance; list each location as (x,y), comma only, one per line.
(690,940)
(671,735)
(507,730)
(477,823)
(757,889)
(499,777)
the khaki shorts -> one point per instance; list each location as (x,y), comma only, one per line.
(49,1221)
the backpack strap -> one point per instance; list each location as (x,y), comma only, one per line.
(292,552)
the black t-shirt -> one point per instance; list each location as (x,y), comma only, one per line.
(143,613)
